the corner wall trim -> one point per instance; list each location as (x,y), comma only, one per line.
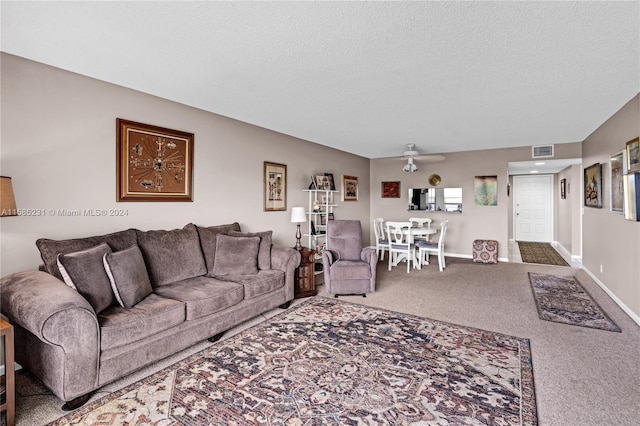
(619,302)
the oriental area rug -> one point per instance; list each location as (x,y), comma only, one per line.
(330,362)
(564,300)
(542,253)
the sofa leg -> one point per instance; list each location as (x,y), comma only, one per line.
(215,338)
(76,402)
(285,305)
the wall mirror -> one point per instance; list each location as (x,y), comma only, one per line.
(436,199)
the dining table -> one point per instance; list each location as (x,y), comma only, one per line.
(415,232)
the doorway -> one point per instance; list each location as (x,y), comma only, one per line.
(533,208)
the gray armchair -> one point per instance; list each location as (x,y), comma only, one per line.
(348,268)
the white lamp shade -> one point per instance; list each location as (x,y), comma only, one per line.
(298,215)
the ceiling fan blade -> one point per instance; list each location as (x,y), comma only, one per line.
(429,158)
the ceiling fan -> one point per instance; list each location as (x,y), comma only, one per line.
(411,155)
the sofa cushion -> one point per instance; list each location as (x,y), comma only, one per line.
(173,255)
(350,270)
(83,271)
(236,255)
(128,276)
(264,250)
(50,249)
(208,237)
(121,326)
(203,295)
(263,282)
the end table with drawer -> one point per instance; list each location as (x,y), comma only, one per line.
(305,282)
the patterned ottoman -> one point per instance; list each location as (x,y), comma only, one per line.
(485,251)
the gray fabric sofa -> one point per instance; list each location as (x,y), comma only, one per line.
(139,296)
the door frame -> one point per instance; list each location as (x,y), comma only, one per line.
(552,205)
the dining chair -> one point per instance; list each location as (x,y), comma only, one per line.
(400,245)
(420,223)
(382,243)
(426,248)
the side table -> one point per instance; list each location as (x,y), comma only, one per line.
(305,281)
(6,330)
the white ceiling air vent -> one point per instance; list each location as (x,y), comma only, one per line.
(542,151)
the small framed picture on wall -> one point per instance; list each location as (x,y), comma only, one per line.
(391,189)
(349,188)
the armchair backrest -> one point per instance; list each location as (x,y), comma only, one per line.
(345,238)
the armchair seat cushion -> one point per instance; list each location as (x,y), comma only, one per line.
(203,295)
(350,270)
(120,326)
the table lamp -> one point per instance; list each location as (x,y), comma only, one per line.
(7,199)
(298,215)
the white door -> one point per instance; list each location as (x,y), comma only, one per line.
(533,208)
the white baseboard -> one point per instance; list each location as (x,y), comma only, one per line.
(619,302)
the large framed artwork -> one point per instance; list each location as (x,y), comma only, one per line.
(593,186)
(153,163)
(633,155)
(485,190)
(275,187)
(617,169)
(349,188)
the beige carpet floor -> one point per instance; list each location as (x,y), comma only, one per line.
(582,376)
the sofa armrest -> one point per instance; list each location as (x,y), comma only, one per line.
(63,321)
(287,260)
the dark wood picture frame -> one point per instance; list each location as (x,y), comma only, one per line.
(593,186)
(390,189)
(275,187)
(153,163)
(349,188)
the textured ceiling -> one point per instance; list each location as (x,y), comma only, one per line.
(364,77)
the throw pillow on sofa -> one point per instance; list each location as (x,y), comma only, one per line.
(236,255)
(264,250)
(208,236)
(50,249)
(128,276)
(172,256)
(84,271)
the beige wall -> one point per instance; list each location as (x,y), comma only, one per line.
(58,145)
(608,239)
(458,170)
(568,211)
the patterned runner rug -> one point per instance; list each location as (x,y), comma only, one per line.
(563,299)
(543,253)
(331,362)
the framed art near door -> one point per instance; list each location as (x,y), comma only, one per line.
(593,186)
(617,170)
(633,155)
